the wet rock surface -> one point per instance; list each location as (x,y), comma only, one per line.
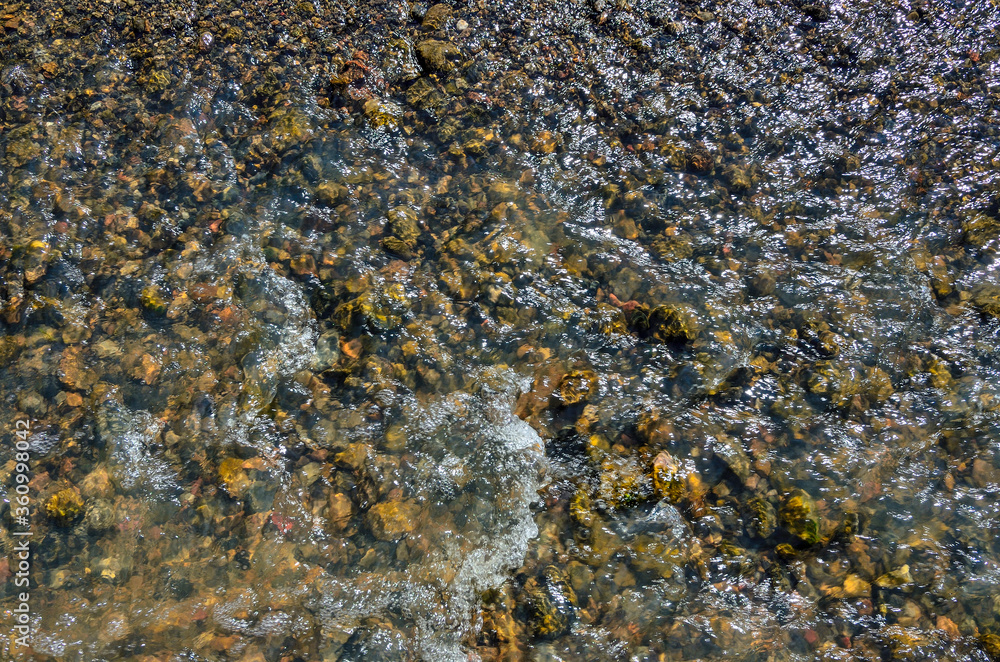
(531,330)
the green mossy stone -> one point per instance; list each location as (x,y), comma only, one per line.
(153,301)
(800,517)
(672,324)
(551,603)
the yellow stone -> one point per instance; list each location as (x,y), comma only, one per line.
(232,476)
(898,577)
(339,511)
(855,587)
(392,520)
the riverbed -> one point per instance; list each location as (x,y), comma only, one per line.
(530,330)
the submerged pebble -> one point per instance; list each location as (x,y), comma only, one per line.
(541,331)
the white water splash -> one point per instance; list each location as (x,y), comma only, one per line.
(130,436)
(434,600)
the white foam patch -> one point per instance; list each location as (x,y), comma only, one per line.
(289,338)
(130,436)
(283,318)
(434,599)
(285,329)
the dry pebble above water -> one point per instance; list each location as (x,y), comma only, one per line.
(547,331)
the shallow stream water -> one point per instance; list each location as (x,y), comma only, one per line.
(584,330)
